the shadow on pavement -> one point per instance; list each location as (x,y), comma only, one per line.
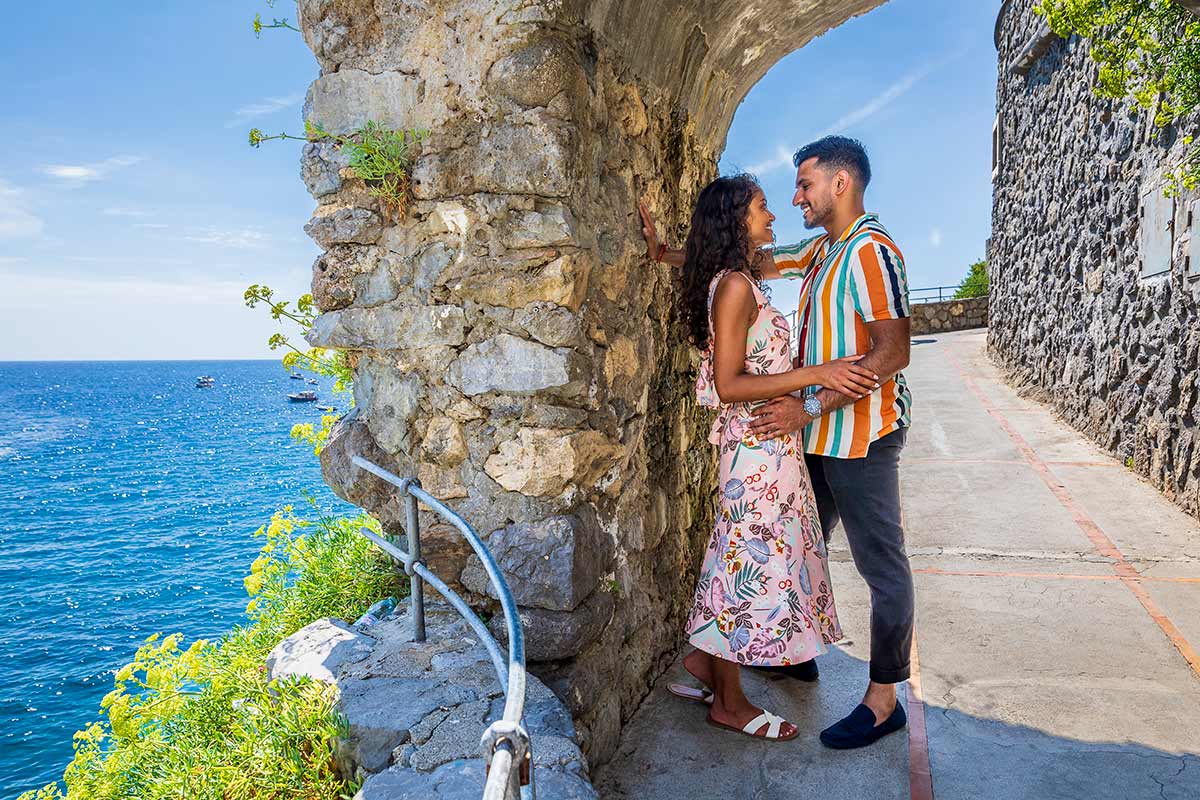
(667,752)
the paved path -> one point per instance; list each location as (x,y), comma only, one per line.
(1058,608)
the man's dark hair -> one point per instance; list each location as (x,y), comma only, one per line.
(838,152)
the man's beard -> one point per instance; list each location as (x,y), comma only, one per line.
(819,217)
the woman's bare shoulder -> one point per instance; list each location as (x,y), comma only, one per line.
(734,293)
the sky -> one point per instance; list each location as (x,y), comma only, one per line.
(133,212)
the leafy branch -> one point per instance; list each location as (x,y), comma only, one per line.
(260,26)
(1148,51)
(380,157)
(257,137)
(337,364)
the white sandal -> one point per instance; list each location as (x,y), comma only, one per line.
(700,695)
(774,726)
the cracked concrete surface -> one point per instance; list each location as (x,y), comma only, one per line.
(1043,675)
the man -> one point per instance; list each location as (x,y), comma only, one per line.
(853,300)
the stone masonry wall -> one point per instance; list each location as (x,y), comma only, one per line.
(1071,316)
(512,347)
(950,315)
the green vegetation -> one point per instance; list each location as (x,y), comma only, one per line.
(336,364)
(380,157)
(204,722)
(976,282)
(259,26)
(1148,51)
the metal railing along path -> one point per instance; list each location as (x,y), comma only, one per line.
(932,294)
(505,743)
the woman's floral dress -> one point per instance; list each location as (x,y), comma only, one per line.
(764,596)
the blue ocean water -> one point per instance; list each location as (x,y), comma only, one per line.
(128,500)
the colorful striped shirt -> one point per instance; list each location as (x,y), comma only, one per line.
(859,279)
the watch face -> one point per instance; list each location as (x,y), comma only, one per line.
(812,406)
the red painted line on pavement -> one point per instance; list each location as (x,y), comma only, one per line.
(920,775)
(1100,541)
(1009,461)
(1048,576)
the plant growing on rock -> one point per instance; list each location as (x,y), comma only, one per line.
(204,721)
(1147,51)
(337,364)
(259,26)
(380,157)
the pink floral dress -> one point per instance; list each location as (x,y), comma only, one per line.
(764,595)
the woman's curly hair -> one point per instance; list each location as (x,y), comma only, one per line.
(719,239)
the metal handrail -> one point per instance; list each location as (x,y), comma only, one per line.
(505,743)
(943,293)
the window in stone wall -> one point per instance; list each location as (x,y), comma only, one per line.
(1192,259)
(1156,238)
(996,148)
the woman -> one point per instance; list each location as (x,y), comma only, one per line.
(763,597)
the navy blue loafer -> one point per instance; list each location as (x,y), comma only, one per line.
(859,729)
(805,671)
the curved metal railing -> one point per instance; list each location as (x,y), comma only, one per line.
(505,743)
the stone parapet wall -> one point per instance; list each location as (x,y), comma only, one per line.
(950,315)
(511,345)
(1073,317)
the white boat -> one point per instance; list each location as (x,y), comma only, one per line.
(205,382)
(303,397)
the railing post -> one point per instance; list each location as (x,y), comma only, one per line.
(415,582)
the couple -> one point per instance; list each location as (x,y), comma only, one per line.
(799,448)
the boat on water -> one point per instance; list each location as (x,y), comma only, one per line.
(205,382)
(303,397)
(296,376)
(313,381)
(327,409)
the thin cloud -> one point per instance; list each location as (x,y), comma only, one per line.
(151,225)
(783,158)
(126,212)
(243,239)
(16,220)
(262,108)
(935,237)
(82,173)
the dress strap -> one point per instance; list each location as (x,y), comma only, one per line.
(712,293)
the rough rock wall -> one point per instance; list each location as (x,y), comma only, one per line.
(950,315)
(512,346)
(1072,316)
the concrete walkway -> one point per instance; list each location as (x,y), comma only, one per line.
(1058,607)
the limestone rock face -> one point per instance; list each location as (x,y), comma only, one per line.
(319,650)
(506,363)
(512,346)
(544,461)
(388,327)
(345,226)
(552,564)
(416,711)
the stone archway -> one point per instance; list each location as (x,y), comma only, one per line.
(513,347)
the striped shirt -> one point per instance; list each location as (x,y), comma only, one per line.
(858,279)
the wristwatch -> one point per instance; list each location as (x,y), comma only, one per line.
(812,406)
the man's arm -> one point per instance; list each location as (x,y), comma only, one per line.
(890,345)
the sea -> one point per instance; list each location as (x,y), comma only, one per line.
(128,502)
